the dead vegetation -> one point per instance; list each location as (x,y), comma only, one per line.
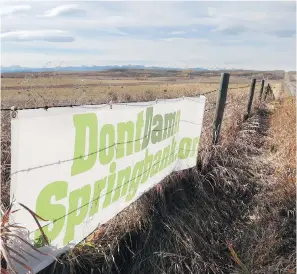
(225,216)
(29,90)
(233,213)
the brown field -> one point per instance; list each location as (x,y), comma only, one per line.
(48,89)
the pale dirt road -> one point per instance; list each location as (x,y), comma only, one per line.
(289,84)
(277,90)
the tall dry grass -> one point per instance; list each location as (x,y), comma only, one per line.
(209,219)
(269,239)
(223,216)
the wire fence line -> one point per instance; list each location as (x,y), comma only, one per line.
(120,186)
(96,105)
(110,104)
(115,144)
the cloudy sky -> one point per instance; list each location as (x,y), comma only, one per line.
(251,35)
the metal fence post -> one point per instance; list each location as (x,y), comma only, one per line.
(262,88)
(220,106)
(251,96)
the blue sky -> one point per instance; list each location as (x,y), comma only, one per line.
(249,35)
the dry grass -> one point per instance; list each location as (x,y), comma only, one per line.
(38,90)
(222,217)
(231,214)
(283,134)
(5,158)
(13,237)
(269,239)
(38,97)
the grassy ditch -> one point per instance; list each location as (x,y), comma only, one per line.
(223,216)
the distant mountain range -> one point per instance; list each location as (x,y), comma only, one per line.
(13,69)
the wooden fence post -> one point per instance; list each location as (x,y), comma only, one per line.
(220,106)
(268,92)
(261,90)
(251,96)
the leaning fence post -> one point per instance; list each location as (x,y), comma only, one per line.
(251,96)
(262,88)
(266,92)
(220,106)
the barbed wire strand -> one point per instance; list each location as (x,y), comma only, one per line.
(118,143)
(114,103)
(97,198)
(102,149)
(94,106)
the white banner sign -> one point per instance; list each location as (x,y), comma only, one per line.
(79,167)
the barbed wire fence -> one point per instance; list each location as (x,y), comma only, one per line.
(38,100)
(45,105)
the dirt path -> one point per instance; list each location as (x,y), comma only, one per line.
(278,90)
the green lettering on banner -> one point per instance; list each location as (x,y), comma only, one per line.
(78,208)
(107,144)
(156,164)
(82,122)
(135,180)
(147,129)
(114,142)
(139,126)
(122,183)
(49,211)
(158,128)
(110,185)
(184,148)
(98,187)
(165,158)
(169,125)
(195,146)
(172,153)
(177,121)
(125,129)
(148,159)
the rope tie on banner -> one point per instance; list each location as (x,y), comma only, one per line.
(156,100)
(110,104)
(14,111)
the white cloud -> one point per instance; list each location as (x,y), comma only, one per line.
(176,32)
(125,32)
(178,52)
(62,10)
(259,17)
(276,19)
(8,10)
(114,31)
(172,39)
(38,35)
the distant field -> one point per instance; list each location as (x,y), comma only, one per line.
(47,89)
